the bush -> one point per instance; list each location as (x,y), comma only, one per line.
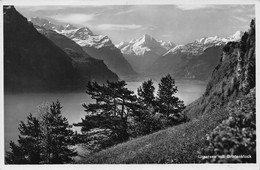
(234,140)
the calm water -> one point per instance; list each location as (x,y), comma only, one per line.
(18,106)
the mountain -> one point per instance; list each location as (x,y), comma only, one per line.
(167,45)
(194,60)
(198,46)
(142,52)
(143,44)
(86,66)
(61,41)
(32,61)
(97,46)
(48,25)
(222,120)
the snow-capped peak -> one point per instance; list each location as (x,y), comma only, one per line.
(144,44)
(82,36)
(220,40)
(197,47)
(167,45)
(82,33)
(121,44)
(85,37)
(237,36)
(70,27)
(50,26)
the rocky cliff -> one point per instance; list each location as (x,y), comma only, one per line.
(232,78)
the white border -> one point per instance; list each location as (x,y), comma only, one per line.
(132,166)
(122,2)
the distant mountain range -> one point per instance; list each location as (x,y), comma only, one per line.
(50,26)
(199,46)
(144,55)
(97,46)
(32,61)
(194,60)
(147,55)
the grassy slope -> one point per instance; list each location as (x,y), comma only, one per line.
(178,144)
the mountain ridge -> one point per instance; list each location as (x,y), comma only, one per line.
(97,46)
(87,67)
(194,60)
(198,46)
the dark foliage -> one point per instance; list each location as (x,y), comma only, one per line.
(28,150)
(43,140)
(112,109)
(124,115)
(168,103)
(146,93)
(58,136)
(235,136)
(145,118)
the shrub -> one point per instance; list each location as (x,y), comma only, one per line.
(234,140)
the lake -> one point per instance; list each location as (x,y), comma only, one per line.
(18,106)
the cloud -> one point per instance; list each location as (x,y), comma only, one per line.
(166,35)
(241,19)
(118,27)
(42,8)
(251,16)
(241,27)
(192,6)
(150,28)
(76,18)
(125,12)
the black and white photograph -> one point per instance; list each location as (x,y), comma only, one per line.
(122,82)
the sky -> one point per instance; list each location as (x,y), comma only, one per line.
(180,24)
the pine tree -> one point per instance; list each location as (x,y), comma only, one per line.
(28,149)
(58,136)
(146,101)
(16,155)
(43,140)
(146,93)
(144,112)
(111,110)
(168,103)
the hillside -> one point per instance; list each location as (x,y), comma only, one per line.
(88,67)
(228,102)
(61,40)
(30,59)
(188,66)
